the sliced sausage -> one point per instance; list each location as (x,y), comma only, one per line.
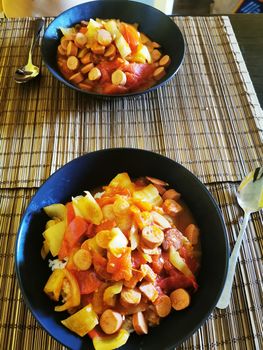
(171,194)
(82,259)
(83,52)
(192,233)
(156,55)
(155,181)
(165,61)
(86,58)
(72,49)
(172,237)
(111,321)
(94,74)
(152,236)
(171,207)
(104,37)
(76,78)
(87,68)
(98,49)
(80,40)
(160,220)
(130,297)
(73,63)
(149,274)
(180,299)
(110,51)
(159,73)
(62,51)
(139,324)
(118,78)
(163,305)
(148,289)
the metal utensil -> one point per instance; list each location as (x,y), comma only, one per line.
(250,199)
(30,71)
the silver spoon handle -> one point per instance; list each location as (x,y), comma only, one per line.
(226,294)
(38,24)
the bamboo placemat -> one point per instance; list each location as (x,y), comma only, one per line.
(207,118)
(238,327)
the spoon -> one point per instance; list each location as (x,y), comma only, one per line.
(29,71)
(250,199)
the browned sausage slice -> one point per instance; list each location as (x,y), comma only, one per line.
(149,291)
(73,63)
(171,194)
(165,61)
(130,297)
(159,73)
(163,305)
(111,321)
(152,236)
(139,324)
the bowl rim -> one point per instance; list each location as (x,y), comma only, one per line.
(162,82)
(128,149)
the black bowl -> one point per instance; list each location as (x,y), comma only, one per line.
(90,171)
(154,23)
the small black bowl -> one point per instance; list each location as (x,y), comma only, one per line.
(152,22)
(98,168)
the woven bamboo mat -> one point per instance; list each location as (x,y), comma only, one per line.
(238,327)
(207,118)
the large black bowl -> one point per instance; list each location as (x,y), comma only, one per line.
(154,23)
(90,171)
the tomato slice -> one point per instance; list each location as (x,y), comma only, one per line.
(87,280)
(74,232)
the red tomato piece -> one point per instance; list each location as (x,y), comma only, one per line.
(176,280)
(100,265)
(87,280)
(70,212)
(157,263)
(111,89)
(120,267)
(105,225)
(137,259)
(138,74)
(74,232)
